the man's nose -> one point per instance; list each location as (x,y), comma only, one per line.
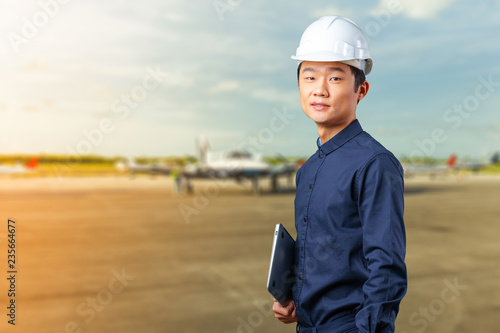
(320,88)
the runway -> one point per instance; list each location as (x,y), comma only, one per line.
(127,255)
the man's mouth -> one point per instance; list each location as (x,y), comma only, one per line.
(320,106)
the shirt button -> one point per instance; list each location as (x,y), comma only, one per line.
(305,220)
(300,277)
(310,186)
(302,249)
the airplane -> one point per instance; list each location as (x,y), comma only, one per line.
(239,165)
(433,170)
(412,169)
(476,166)
(19,168)
(153,169)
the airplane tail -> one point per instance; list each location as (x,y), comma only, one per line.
(452,161)
(32,164)
(203,148)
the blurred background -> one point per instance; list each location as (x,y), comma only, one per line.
(148,149)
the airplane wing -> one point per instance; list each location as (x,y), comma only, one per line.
(152,169)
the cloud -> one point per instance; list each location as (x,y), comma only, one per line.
(423,9)
(332,11)
(34,65)
(175,17)
(224,86)
(38,106)
(274,95)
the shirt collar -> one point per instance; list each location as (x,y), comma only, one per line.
(349,132)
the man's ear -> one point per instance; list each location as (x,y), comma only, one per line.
(363,90)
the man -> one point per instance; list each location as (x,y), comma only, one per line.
(350,274)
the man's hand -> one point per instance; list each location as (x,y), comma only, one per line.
(286,314)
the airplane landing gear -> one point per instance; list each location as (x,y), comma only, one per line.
(255,186)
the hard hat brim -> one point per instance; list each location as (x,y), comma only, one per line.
(320,56)
(332,57)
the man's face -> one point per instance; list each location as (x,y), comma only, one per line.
(327,93)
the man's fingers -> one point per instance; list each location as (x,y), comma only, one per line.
(286,314)
(283,319)
(294,315)
(286,320)
(284,311)
(290,306)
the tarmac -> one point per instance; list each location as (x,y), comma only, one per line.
(128,255)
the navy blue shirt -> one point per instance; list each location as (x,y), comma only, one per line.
(350,247)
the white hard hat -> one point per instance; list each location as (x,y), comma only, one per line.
(335,38)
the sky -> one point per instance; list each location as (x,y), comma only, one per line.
(149,78)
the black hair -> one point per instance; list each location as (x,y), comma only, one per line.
(359,76)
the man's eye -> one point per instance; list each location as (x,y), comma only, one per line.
(335,79)
(309,78)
